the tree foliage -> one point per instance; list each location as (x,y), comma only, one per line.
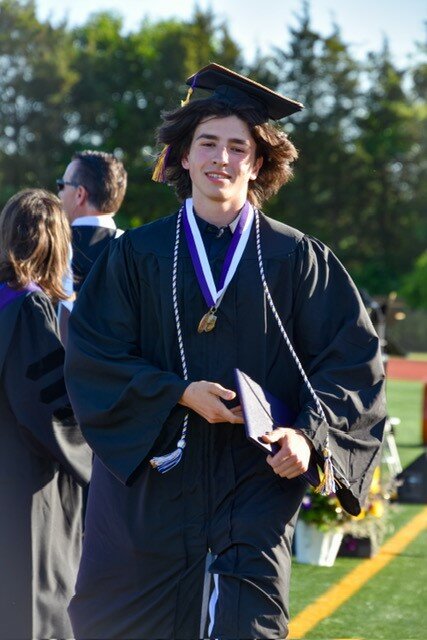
(360,182)
(414,287)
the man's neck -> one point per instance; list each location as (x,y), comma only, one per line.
(87,213)
(104,220)
(219,214)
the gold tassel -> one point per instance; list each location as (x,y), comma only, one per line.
(160,168)
(187,97)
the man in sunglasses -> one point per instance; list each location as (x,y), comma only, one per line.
(91,190)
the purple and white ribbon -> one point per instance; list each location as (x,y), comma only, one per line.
(211,294)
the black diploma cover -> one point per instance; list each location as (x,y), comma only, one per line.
(262,412)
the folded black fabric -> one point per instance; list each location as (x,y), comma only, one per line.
(264,412)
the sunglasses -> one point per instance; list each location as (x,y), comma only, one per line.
(60,184)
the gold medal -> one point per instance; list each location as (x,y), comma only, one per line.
(207,323)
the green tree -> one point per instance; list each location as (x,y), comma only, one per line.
(126,80)
(386,144)
(320,72)
(414,287)
(361,181)
(361,137)
(35,81)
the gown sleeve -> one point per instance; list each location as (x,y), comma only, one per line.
(34,384)
(341,356)
(121,398)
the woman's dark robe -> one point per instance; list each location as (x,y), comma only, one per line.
(44,462)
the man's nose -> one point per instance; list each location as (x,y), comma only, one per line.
(221,156)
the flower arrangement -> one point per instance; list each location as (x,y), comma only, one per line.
(326,513)
(373,521)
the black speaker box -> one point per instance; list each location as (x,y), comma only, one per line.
(412,482)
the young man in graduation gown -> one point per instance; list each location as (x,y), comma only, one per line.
(198,543)
(91,190)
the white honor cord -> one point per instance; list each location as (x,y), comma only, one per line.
(170,460)
(279,322)
(330,482)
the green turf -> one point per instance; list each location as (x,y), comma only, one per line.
(391,605)
(404,400)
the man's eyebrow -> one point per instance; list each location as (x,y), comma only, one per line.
(210,136)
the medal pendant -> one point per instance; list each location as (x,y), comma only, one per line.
(207,323)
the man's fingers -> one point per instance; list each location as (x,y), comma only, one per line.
(238,413)
(223,414)
(206,399)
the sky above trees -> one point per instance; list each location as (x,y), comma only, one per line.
(364,23)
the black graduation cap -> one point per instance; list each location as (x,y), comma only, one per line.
(263,412)
(233,89)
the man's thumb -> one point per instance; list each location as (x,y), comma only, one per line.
(273,436)
(226,394)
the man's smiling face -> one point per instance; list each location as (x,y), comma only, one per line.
(221,161)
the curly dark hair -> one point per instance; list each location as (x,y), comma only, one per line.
(103,176)
(272,144)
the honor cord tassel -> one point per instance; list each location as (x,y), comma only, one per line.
(170,460)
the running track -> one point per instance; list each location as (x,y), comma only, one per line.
(401,369)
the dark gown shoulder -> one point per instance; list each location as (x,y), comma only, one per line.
(153,237)
(38,302)
(279,238)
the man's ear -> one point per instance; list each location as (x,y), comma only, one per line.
(184,162)
(257,166)
(81,195)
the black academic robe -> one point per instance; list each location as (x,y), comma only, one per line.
(142,573)
(88,242)
(43,463)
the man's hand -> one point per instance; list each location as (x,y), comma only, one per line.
(295,450)
(205,399)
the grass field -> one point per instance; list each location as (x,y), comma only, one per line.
(391,605)
(404,400)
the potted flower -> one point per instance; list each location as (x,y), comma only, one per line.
(319,529)
(364,534)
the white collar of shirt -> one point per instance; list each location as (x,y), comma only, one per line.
(232,226)
(106,221)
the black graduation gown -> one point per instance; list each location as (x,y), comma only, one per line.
(147,534)
(43,462)
(88,242)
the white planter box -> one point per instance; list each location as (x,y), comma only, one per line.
(313,546)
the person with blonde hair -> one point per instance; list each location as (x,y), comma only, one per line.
(44,460)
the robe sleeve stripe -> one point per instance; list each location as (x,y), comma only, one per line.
(46,365)
(53,392)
